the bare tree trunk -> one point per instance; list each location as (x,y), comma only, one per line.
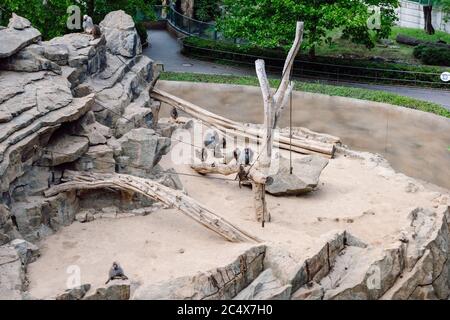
(427,10)
(259,194)
(273,105)
(156,191)
(91,8)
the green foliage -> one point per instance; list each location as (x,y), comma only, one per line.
(347,69)
(357,93)
(271,23)
(135,8)
(433,54)
(206,10)
(51,18)
(420,34)
(142,32)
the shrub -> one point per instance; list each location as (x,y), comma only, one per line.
(331,68)
(433,54)
(142,32)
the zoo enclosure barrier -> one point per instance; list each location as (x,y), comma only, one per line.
(316,70)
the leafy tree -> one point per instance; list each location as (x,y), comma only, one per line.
(206,10)
(50,16)
(271,23)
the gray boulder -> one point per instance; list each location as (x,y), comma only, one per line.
(11,274)
(142,149)
(305,177)
(14,40)
(76,293)
(30,59)
(121,35)
(64,148)
(115,290)
(27,251)
(265,287)
(98,158)
(18,22)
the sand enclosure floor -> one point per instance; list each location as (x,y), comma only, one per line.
(367,200)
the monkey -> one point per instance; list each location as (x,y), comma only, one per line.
(204,154)
(247,154)
(174,113)
(116,272)
(91,28)
(242,175)
(236,154)
(246,157)
(14,221)
(88,24)
(211,139)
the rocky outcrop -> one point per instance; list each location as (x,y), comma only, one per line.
(17,36)
(265,287)
(64,148)
(304,178)
(121,36)
(415,267)
(141,149)
(76,293)
(221,283)
(11,274)
(114,290)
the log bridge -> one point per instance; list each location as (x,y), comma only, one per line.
(75,180)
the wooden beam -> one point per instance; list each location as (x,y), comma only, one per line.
(154,190)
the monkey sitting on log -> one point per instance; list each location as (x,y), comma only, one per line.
(116,272)
(91,28)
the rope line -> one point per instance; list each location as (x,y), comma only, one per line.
(128,165)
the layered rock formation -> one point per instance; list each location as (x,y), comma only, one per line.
(75,103)
(63,103)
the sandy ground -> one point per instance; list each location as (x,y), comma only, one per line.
(370,202)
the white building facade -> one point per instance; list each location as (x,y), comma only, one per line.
(410,14)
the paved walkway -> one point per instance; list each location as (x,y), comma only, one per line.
(166,49)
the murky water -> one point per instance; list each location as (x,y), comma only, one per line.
(415,143)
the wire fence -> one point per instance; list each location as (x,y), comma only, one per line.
(190,26)
(323,71)
(302,68)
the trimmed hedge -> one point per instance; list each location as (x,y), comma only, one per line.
(329,68)
(433,54)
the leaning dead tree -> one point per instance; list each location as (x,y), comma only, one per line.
(298,144)
(156,191)
(274,103)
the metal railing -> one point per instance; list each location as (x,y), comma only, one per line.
(302,68)
(190,26)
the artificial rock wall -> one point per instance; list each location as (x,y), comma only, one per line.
(71,103)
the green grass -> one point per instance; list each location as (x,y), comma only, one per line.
(395,51)
(357,93)
(420,34)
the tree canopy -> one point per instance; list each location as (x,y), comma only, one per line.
(271,23)
(50,16)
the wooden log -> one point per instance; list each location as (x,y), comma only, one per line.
(259,201)
(410,41)
(254,173)
(156,191)
(226,126)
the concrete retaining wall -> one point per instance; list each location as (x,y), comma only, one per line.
(415,143)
